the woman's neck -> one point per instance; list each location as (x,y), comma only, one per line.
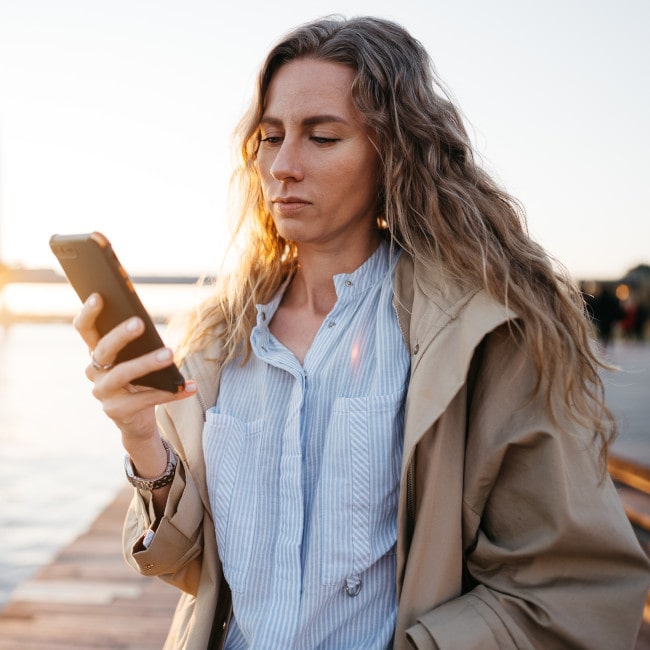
(312,287)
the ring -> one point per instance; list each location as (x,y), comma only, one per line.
(97,365)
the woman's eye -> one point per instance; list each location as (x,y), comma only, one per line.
(272,139)
(322,140)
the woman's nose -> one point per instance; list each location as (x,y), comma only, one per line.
(287,164)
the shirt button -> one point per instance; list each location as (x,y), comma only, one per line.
(263,315)
(348,283)
(353,586)
(331,323)
(416,349)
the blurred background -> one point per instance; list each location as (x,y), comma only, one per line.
(116,116)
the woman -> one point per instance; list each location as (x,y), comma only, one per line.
(394,435)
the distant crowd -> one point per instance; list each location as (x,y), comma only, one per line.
(617,311)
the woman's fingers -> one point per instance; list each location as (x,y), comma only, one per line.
(104,350)
(128,405)
(84,321)
(125,373)
(132,407)
(108,347)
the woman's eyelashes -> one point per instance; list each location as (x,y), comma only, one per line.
(318,139)
(271,139)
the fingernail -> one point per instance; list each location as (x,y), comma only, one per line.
(191,386)
(133,325)
(164,355)
(92,301)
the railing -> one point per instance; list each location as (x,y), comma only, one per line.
(633,482)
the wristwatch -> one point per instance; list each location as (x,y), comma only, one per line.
(152,483)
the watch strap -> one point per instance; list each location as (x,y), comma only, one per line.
(152,483)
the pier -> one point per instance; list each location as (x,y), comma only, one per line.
(88,598)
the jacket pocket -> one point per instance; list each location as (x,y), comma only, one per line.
(232,490)
(359,487)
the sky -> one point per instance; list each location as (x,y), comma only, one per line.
(116,115)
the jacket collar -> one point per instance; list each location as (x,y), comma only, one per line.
(426,300)
(443,322)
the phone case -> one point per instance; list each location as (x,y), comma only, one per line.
(91,266)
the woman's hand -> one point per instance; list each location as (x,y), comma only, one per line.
(130,407)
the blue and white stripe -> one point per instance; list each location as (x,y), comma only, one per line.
(303,466)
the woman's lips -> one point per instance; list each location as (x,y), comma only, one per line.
(290,205)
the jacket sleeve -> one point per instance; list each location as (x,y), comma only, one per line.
(175,551)
(551,558)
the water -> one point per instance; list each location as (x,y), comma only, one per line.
(61,460)
(161,300)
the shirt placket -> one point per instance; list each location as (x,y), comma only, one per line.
(287,565)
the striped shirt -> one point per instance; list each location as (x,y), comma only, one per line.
(303,465)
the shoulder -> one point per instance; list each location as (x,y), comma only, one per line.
(511,404)
(427,281)
(444,315)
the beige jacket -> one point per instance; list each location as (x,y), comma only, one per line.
(507,535)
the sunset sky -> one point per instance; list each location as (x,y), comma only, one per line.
(116,116)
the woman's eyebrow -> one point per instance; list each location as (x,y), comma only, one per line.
(312,120)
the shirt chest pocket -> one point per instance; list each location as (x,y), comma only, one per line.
(359,487)
(232,488)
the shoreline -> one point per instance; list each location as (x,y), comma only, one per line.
(8,319)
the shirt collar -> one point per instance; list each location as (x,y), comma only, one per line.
(265,312)
(372,271)
(348,286)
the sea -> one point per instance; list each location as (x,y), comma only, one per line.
(61,461)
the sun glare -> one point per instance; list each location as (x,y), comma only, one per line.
(52,300)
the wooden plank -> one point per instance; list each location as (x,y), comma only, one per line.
(629,472)
(88,597)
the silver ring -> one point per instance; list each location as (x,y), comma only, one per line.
(97,365)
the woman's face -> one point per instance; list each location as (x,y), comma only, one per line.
(318,167)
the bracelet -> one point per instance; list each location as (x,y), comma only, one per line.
(152,483)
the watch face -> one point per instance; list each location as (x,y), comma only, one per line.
(128,468)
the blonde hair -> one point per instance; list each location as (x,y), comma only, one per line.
(436,202)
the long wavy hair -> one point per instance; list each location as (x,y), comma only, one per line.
(437,204)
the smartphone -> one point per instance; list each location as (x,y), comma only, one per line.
(91,266)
